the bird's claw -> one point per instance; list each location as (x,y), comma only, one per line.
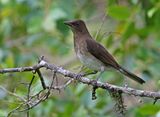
(79,75)
(125,83)
(94,81)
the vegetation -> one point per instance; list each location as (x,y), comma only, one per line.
(31,28)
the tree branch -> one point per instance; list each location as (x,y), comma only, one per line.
(81,78)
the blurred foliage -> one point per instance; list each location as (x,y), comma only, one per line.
(30,28)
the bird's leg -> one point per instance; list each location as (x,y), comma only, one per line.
(99,76)
(125,82)
(101,72)
(86,73)
(90,73)
(82,67)
(80,73)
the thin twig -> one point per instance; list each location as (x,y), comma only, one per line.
(18,107)
(41,78)
(28,95)
(98,31)
(62,86)
(43,98)
(11,93)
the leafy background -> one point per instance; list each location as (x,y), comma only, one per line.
(31,28)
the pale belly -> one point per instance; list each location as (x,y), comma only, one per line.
(91,62)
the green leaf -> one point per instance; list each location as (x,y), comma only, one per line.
(81,112)
(9,61)
(119,12)
(152,11)
(112,2)
(128,31)
(142,32)
(62,27)
(148,109)
(34,24)
(109,41)
(143,53)
(3,113)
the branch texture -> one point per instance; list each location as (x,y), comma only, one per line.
(81,78)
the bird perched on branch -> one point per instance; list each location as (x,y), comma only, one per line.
(92,54)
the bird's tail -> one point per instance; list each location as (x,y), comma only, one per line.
(131,75)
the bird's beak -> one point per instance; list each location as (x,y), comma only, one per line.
(69,23)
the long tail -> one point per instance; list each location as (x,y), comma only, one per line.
(131,75)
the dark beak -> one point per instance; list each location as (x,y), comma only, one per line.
(69,23)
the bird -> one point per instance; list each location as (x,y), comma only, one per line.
(92,54)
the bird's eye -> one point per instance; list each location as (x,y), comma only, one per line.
(77,24)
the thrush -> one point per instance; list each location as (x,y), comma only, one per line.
(92,54)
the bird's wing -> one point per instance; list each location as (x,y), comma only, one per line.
(98,51)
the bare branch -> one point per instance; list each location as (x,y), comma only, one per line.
(85,80)
(41,78)
(98,31)
(61,86)
(28,95)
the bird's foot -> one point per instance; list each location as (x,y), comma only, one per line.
(125,83)
(90,73)
(80,75)
(85,74)
(99,76)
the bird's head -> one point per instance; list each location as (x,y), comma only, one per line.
(77,26)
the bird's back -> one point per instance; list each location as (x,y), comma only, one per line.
(98,51)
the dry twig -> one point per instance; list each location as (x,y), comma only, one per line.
(32,101)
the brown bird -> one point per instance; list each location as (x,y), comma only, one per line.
(92,54)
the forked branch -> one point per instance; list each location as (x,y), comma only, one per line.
(81,78)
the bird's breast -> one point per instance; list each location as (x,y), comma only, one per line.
(89,60)
(86,58)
